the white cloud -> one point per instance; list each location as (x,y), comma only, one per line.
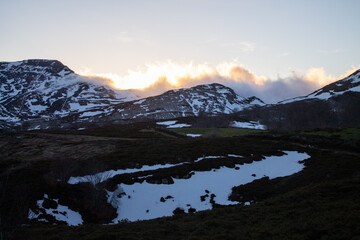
(160,77)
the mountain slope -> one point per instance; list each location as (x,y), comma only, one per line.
(335,105)
(47,89)
(349,84)
(39,94)
(211,99)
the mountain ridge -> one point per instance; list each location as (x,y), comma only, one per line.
(41,93)
(47,88)
(39,90)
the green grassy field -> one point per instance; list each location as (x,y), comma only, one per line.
(220,132)
(347,134)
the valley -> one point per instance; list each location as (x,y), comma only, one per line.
(158,170)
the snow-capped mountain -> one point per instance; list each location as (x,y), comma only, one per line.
(210,99)
(349,84)
(335,105)
(48,89)
(45,93)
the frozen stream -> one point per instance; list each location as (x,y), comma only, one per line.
(142,200)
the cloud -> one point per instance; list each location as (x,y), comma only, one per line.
(160,77)
(246,84)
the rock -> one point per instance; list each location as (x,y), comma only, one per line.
(48,203)
(191,210)
(203,197)
(178,211)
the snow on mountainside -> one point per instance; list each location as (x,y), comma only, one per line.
(47,88)
(209,99)
(38,94)
(336,105)
(346,85)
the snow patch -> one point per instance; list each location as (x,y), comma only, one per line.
(251,125)
(143,199)
(193,135)
(140,101)
(167,123)
(90,114)
(172,124)
(179,125)
(61,213)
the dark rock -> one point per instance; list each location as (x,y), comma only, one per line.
(48,203)
(178,211)
(203,197)
(192,210)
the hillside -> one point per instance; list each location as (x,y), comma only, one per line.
(335,105)
(43,94)
(142,154)
(46,89)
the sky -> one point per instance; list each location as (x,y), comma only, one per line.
(276,49)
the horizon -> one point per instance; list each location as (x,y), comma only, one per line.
(274,51)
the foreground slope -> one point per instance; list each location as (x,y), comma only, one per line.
(318,202)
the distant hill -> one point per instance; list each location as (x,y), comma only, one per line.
(335,105)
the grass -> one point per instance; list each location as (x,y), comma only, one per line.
(326,210)
(223,132)
(321,202)
(346,134)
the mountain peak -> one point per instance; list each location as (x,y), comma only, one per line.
(349,84)
(53,67)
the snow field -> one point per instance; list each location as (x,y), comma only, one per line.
(142,200)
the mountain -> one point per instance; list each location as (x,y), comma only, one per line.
(210,99)
(45,93)
(48,89)
(348,85)
(335,105)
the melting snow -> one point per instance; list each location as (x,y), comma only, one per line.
(140,101)
(233,155)
(103,176)
(179,125)
(143,199)
(172,124)
(90,114)
(193,135)
(61,213)
(167,123)
(252,125)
